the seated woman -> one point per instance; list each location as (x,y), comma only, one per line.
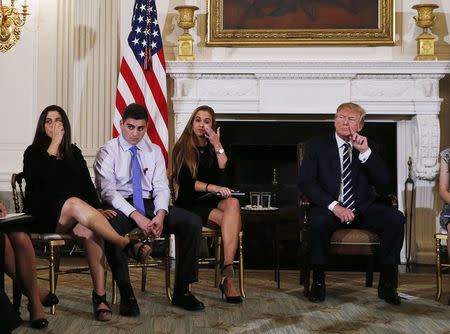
(61,197)
(444,192)
(199,166)
(20,265)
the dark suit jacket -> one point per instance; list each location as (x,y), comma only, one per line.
(321,173)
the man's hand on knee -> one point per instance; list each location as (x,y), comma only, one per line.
(344,214)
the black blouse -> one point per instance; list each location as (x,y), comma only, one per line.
(50,182)
(208,171)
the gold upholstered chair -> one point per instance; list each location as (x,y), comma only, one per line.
(440,267)
(51,242)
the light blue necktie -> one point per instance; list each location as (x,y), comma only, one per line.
(138,202)
(347,192)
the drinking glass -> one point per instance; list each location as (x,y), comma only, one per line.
(265,199)
(255,198)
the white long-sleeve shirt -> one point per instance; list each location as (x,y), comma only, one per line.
(362,157)
(113,176)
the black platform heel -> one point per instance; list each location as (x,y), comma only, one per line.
(96,301)
(228,272)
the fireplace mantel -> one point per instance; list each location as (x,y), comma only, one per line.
(405,92)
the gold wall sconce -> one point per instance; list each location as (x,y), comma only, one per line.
(10,23)
(185,41)
(425,42)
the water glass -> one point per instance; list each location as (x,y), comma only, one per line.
(265,199)
(255,198)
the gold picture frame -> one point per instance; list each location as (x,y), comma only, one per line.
(300,22)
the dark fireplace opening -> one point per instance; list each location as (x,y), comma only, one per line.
(257,149)
(261,152)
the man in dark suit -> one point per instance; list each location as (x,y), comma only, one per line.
(338,174)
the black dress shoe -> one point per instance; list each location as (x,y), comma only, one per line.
(187,301)
(389,293)
(129,307)
(317,293)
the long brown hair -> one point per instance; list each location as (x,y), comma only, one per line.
(185,151)
(41,139)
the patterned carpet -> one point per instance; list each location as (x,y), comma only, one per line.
(349,308)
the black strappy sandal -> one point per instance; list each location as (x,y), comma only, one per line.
(142,252)
(102,314)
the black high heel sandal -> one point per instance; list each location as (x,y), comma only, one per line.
(96,301)
(228,272)
(40,323)
(142,252)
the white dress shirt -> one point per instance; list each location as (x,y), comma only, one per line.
(113,176)
(362,157)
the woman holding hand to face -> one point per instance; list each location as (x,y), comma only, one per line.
(200,166)
(61,197)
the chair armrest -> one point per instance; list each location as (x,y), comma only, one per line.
(304,206)
(388,200)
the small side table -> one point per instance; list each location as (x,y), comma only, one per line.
(274,219)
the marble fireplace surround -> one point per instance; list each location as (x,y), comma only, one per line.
(402,92)
(405,92)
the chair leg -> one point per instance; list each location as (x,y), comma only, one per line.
(438,270)
(114,291)
(369,271)
(105,265)
(52,278)
(305,274)
(143,278)
(167,269)
(218,260)
(241,266)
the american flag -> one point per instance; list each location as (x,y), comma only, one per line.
(142,77)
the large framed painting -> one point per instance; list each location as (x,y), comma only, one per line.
(300,22)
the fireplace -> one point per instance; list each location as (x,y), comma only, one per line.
(258,149)
(403,96)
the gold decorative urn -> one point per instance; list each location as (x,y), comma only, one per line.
(186,21)
(425,41)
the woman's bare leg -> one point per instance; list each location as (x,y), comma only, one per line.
(20,264)
(228,216)
(95,254)
(75,211)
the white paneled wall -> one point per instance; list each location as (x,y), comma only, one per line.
(18,78)
(87,69)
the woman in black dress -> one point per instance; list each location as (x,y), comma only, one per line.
(61,197)
(200,166)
